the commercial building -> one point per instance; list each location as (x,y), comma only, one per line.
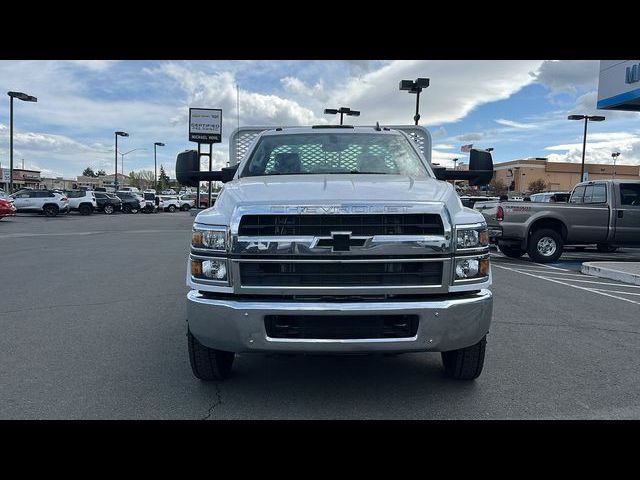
(58,183)
(22,178)
(108,181)
(559,176)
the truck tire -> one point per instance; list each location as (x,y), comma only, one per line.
(172,208)
(511,252)
(50,210)
(185,208)
(207,363)
(606,248)
(108,209)
(465,363)
(545,246)
(85,209)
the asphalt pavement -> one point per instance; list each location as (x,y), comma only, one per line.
(92,314)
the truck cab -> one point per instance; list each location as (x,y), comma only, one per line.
(336,240)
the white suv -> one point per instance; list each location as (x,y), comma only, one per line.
(83,201)
(169,203)
(41,201)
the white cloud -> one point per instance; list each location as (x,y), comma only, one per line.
(298,87)
(456,89)
(568,76)
(94,65)
(586,105)
(471,137)
(518,125)
(599,149)
(444,146)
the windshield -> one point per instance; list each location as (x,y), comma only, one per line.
(334,153)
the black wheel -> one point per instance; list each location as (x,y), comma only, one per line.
(207,363)
(465,363)
(185,208)
(172,208)
(50,210)
(512,252)
(108,209)
(606,248)
(545,246)
(126,208)
(85,209)
(148,209)
(134,210)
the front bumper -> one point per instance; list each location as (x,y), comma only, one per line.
(445,323)
(495,233)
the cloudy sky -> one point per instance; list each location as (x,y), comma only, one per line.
(517,107)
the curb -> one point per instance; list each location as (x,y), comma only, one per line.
(595,269)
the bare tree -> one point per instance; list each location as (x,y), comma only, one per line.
(498,186)
(538,186)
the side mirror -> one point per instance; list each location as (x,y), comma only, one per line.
(188,170)
(481,164)
(188,163)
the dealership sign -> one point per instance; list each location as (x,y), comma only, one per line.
(205,125)
(619,85)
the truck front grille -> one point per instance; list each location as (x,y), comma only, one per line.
(327,274)
(358,225)
(341,326)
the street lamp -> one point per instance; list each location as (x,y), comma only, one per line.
(614,155)
(490,149)
(586,118)
(415,87)
(25,98)
(155,165)
(127,153)
(342,111)
(118,134)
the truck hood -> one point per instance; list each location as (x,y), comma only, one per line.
(329,190)
(336,188)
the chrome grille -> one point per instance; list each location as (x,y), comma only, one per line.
(357,224)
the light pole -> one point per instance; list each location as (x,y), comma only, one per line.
(415,87)
(155,165)
(25,98)
(115,179)
(586,118)
(342,111)
(614,155)
(127,153)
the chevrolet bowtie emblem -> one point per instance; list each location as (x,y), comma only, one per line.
(341,242)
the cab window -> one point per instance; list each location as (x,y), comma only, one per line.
(630,194)
(578,194)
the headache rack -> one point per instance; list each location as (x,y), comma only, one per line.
(242,138)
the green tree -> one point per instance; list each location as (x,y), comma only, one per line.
(100,173)
(88,172)
(163,179)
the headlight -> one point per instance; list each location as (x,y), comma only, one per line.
(214,238)
(214,269)
(472,237)
(469,268)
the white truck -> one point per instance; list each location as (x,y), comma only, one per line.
(337,240)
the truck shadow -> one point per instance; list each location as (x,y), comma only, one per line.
(345,386)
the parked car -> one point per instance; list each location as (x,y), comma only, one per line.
(170,191)
(170,203)
(108,202)
(131,203)
(546,197)
(129,189)
(604,212)
(41,201)
(186,203)
(150,202)
(7,208)
(82,201)
(469,200)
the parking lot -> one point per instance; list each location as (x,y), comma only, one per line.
(92,312)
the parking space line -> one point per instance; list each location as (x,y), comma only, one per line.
(616,291)
(553,280)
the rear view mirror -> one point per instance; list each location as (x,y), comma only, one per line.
(481,164)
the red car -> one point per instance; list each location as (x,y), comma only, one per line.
(7,209)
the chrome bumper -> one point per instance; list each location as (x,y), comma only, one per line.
(238,325)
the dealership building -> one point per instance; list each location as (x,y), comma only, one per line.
(558,176)
(619,85)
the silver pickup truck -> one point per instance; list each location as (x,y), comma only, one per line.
(336,239)
(604,212)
